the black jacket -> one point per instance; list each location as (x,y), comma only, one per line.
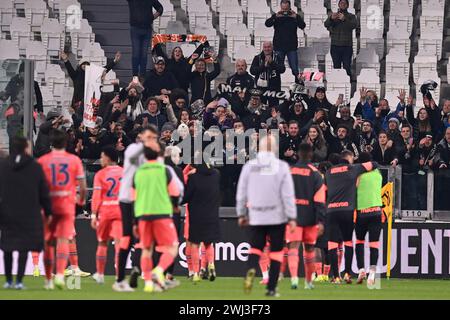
(288,142)
(201,84)
(42,145)
(309,194)
(341,31)
(271,72)
(386,158)
(154,83)
(285,35)
(21,222)
(443,153)
(202,194)
(181,68)
(141,12)
(241,80)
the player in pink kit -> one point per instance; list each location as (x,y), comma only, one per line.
(63,172)
(106,216)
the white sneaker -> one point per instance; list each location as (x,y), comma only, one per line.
(49,285)
(77,272)
(99,278)
(8,285)
(59,281)
(122,286)
(371,278)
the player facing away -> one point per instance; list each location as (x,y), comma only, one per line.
(203,197)
(341,203)
(368,219)
(63,172)
(265,201)
(106,217)
(156,195)
(134,157)
(310,201)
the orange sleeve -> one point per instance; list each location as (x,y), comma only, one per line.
(97,194)
(319,196)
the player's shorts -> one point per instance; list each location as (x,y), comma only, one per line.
(162,231)
(61,226)
(307,234)
(109,229)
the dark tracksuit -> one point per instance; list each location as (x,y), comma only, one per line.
(341,203)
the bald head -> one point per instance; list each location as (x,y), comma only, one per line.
(267,48)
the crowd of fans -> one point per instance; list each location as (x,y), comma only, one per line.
(176,97)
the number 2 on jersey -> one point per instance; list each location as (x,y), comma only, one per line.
(110,193)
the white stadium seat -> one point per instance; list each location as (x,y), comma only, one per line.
(402,22)
(397,62)
(247,53)
(81,37)
(238,35)
(199,15)
(9,50)
(94,54)
(318,37)
(7,12)
(338,81)
(36,51)
(35,12)
(423,63)
(229,14)
(367,58)
(257,14)
(401,7)
(160,23)
(52,36)
(55,80)
(398,38)
(261,35)
(431,38)
(372,38)
(20,33)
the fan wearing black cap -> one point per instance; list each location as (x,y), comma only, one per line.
(318,101)
(159,81)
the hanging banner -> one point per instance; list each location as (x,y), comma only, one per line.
(92,83)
